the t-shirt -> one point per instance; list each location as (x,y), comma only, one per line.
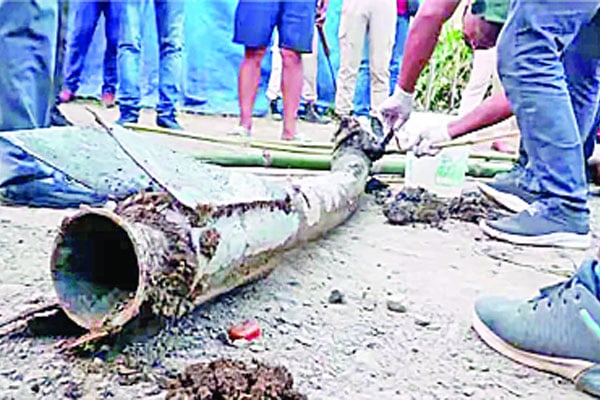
(492,10)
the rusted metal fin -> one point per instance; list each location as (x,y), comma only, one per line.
(70,344)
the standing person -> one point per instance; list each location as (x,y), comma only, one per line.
(309,85)
(169,17)
(254,25)
(362,98)
(86,14)
(376,20)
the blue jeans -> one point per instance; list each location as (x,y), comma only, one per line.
(169,17)
(362,95)
(549,66)
(28,32)
(85,18)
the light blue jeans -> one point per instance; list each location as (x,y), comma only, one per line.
(28,33)
(362,94)
(549,53)
(85,18)
(169,17)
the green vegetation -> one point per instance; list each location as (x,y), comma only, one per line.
(441,83)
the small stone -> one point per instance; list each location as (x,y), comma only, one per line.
(469,392)
(303,341)
(104,348)
(336,297)
(396,306)
(433,327)
(283,329)
(422,322)
(97,362)
(369,306)
(256,348)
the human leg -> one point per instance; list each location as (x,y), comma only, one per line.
(482,70)
(353,28)
(274,85)
(85,18)
(530,49)
(128,59)
(402,23)
(170,15)
(296,30)
(111,33)
(28,34)
(254,24)
(382,32)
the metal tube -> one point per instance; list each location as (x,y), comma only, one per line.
(156,253)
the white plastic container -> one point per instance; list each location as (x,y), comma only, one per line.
(443,174)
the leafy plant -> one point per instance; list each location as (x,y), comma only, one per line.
(440,86)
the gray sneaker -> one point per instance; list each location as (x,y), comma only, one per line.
(542,224)
(507,193)
(557,332)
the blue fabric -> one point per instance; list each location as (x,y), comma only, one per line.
(255,21)
(85,15)
(169,17)
(210,59)
(25,180)
(540,89)
(362,93)
(28,32)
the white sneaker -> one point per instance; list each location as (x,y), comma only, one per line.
(241,131)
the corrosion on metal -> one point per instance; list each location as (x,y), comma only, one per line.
(154,250)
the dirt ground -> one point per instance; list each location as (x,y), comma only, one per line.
(355,350)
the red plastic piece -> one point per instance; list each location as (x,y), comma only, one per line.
(248,330)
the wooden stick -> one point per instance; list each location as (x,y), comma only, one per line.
(471,141)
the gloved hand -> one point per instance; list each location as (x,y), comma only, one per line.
(395,110)
(420,141)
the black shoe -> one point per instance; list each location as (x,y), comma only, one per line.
(377,127)
(311,115)
(57,118)
(274,111)
(169,123)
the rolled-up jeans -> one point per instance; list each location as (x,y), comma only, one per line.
(549,59)
(169,17)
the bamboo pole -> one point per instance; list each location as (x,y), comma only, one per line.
(387,165)
(317,148)
(153,254)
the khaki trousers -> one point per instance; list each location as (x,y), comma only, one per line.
(309,66)
(376,21)
(484,73)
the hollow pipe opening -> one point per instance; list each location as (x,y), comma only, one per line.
(95,270)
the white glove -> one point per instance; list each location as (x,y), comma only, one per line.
(420,141)
(395,110)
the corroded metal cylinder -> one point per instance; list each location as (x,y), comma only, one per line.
(155,250)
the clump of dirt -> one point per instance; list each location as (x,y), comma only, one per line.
(417,205)
(225,379)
